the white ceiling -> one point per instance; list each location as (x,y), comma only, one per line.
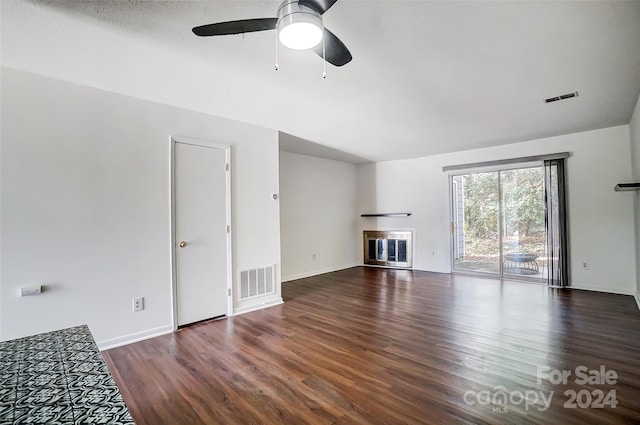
(427,77)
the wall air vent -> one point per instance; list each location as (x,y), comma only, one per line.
(561,97)
(257,282)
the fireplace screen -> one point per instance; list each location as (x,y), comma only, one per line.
(390,248)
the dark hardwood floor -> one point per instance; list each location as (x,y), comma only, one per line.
(376,346)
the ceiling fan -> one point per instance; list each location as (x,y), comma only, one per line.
(299,26)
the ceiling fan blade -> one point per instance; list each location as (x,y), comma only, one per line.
(319,6)
(336,53)
(236,27)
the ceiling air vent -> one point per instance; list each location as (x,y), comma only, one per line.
(561,97)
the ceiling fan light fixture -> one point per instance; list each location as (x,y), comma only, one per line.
(300,35)
(299,27)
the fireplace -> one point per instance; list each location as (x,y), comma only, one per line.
(390,248)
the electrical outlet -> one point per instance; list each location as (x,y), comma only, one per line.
(585,265)
(138,304)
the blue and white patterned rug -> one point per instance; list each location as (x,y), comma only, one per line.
(58,377)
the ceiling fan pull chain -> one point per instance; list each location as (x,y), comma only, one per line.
(324,62)
(276,47)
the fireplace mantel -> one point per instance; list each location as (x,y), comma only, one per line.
(386,215)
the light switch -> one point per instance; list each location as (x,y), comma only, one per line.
(30,290)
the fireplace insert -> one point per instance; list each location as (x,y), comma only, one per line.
(390,248)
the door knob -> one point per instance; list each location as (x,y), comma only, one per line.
(183,244)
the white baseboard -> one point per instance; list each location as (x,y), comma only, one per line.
(637,297)
(134,337)
(258,306)
(620,291)
(318,272)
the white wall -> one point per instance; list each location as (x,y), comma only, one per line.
(85,178)
(634,134)
(601,222)
(318,215)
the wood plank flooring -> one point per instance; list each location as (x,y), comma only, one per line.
(376,346)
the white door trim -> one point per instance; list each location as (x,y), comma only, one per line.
(174,279)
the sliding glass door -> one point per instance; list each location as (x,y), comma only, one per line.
(498,222)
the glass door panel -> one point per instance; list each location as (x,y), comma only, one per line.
(476,229)
(523,234)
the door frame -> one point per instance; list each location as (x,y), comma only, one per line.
(174,278)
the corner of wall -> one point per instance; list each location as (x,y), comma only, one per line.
(634,136)
(318,207)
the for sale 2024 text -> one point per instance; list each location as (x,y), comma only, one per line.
(582,375)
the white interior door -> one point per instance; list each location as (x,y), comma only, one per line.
(201,254)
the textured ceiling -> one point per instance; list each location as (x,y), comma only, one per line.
(426,78)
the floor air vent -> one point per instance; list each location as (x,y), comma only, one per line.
(256,282)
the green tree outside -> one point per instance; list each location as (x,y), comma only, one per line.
(523,213)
